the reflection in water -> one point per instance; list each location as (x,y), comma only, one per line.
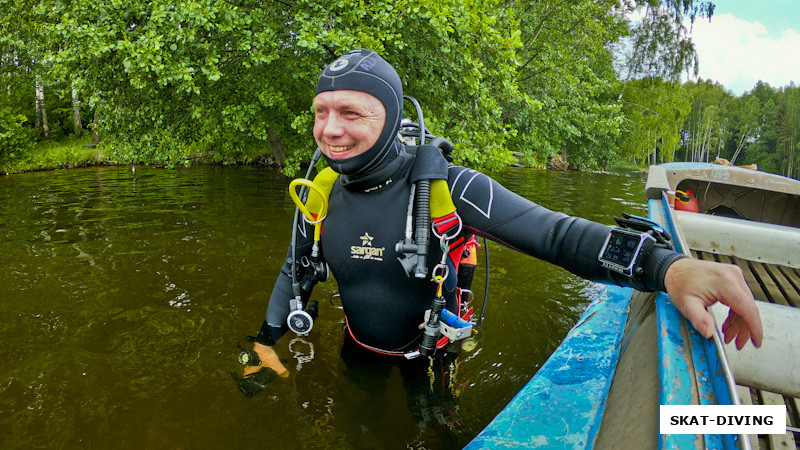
(301,350)
(123,295)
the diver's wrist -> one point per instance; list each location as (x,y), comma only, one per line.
(259,347)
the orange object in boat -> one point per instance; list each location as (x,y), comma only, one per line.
(686,201)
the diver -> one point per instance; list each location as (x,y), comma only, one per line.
(371,185)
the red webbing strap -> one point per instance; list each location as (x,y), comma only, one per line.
(447,224)
(376,350)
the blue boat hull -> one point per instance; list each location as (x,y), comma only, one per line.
(562,405)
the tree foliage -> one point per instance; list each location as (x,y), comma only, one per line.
(655,112)
(659,44)
(566,70)
(233,79)
(13,136)
(707,126)
(760,127)
(223,76)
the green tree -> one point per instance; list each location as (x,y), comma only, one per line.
(16,76)
(706,129)
(25,73)
(567,70)
(746,118)
(764,93)
(788,129)
(775,147)
(655,112)
(764,150)
(234,78)
(14,137)
(222,76)
(660,45)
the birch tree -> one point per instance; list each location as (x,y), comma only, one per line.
(660,45)
(746,116)
(41,109)
(655,112)
(76,112)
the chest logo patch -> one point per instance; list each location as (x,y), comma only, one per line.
(366,250)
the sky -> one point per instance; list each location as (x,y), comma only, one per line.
(750,40)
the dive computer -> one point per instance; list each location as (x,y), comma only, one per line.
(625,250)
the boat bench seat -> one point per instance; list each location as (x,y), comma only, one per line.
(770,367)
(763,242)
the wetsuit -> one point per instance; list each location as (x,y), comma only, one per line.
(384,306)
(367,216)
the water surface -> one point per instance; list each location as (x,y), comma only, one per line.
(124,294)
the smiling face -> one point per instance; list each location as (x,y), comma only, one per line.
(347,123)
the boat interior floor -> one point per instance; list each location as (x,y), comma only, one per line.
(769,282)
(631,410)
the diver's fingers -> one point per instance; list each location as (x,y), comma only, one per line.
(249,370)
(269,358)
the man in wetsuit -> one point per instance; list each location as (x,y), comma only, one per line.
(358,109)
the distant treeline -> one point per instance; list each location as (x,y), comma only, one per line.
(577,81)
(700,121)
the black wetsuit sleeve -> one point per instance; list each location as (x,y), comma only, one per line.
(490,210)
(274,325)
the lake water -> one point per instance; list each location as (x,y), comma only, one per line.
(125,293)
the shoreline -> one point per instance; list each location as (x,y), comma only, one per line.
(76,153)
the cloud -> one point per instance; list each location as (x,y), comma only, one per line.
(738,53)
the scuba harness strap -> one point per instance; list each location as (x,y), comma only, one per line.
(429,168)
(430,203)
(429,199)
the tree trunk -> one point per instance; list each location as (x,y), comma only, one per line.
(740,146)
(38,124)
(278,150)
(76,113)
(41,109)
(95,135)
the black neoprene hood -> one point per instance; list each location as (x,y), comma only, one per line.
(365,71)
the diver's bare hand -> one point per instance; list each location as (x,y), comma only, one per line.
(268,359)
(693,285)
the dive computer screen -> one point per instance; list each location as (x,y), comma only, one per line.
(621,250)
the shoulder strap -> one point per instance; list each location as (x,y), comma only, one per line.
(441,200)
(431,164)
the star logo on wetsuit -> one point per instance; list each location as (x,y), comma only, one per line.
(366,251)
(366,239)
